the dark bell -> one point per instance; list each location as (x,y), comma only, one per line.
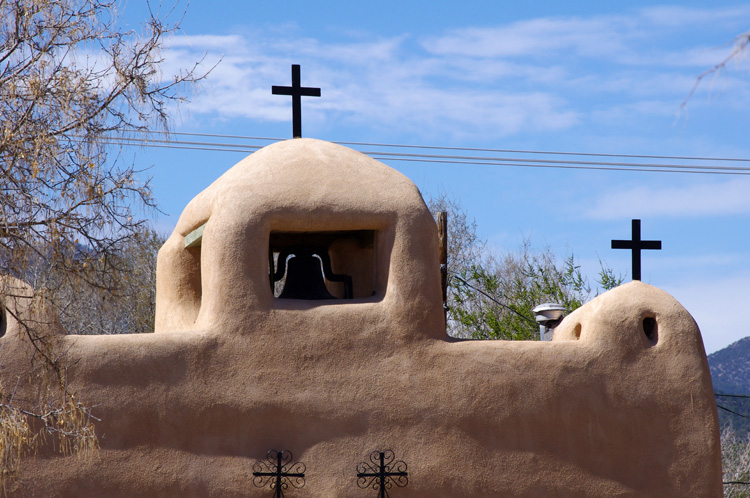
(307,268)
(304,279)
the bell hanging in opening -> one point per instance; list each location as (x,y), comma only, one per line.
(304,279)
(306,269)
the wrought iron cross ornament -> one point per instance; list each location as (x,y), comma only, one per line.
(278,473)
(297,92)
(636,245)
(382,472)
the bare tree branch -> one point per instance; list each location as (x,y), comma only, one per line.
(740,44)
(70,211)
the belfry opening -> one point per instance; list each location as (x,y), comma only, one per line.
(332,265)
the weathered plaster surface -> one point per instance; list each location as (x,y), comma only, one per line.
(232,372)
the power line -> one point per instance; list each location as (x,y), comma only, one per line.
(559,161)
(169,146)
(181,144)
(744,172)
(454,159)
(743,396)
(732,411)
(473,149)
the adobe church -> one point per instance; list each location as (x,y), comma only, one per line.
(256,384)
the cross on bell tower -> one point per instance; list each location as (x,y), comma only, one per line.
(636,245)
(297,92)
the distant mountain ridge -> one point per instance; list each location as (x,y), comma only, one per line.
(730,368)
(730,374)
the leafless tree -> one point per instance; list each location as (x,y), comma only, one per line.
(735,463)
(122,306)
(70,77)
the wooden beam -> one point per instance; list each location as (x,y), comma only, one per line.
(442,223)
(195,238)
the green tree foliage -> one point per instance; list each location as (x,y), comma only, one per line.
(491,297)
(495,301)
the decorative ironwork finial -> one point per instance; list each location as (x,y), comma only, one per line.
(278,473)
(297,92)
(636,245)
(382,472)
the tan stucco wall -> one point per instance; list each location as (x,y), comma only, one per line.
(233,372)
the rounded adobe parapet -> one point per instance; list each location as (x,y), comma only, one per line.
(633,316)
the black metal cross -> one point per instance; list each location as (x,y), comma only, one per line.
(381,472)
(296,91)
(636,245)
(277,472)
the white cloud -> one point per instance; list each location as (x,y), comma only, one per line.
(377,82)
(596,36)
(701,199)
(640,84)
(206,42)
(682,17)
(619,113)
(713,262)
(371,52)
(490,82)
(620,39)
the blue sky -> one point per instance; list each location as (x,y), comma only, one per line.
(596,77)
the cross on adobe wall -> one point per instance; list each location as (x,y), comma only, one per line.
(382,472)
(297,92)
(636,245)
(278,472)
